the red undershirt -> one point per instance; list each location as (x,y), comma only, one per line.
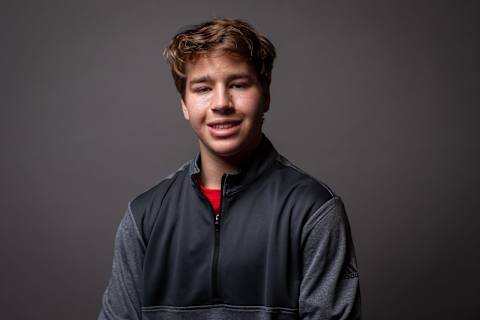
(213,195)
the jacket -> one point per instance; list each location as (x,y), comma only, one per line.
(281,248)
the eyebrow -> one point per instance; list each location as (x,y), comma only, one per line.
(229,78)
(199,80)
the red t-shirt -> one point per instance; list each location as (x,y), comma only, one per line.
(214,196)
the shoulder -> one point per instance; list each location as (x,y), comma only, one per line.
(305,187)
(145,199)
(144,206)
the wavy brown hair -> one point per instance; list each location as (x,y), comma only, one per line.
(229,35)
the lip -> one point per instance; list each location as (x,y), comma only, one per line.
(223,132)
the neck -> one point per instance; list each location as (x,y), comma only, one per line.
(213,166)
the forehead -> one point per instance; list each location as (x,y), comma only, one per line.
(218,63)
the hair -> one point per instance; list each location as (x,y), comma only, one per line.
(229,35)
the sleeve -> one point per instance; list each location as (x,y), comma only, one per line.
(123,296)
(330,285)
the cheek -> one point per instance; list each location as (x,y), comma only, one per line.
(251,104)
(198,107)
(199,104)
(197,117)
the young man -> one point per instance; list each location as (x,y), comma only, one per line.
(238,232)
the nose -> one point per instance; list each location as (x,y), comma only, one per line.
(222,101)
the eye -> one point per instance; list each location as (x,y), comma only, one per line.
(239,85)
(203,89)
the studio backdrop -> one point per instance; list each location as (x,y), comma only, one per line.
(379,99)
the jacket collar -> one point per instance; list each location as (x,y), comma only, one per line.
(262,158)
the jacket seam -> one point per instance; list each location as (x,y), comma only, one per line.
(220,306)
(319,215)
(286,163)
(137,231)
(170,176)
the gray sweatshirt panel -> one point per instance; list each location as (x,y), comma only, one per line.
(330,285)
(123,297)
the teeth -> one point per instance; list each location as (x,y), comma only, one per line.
(223,126)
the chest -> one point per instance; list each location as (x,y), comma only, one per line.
(249,256)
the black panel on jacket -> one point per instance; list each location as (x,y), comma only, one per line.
(263,212)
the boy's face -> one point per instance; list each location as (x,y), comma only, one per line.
(224,102)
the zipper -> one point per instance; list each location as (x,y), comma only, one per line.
(217,223)
(215,289)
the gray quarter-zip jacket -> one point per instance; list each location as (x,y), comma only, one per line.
(280,248)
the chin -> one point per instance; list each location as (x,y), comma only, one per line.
(225,148)
(227,151)
(236,145)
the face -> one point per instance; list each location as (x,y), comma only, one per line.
(224,102)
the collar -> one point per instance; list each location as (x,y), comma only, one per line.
(262,158)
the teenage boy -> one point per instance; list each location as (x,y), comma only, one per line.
(238,232)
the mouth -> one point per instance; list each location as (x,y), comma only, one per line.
(223,128)
(222,125)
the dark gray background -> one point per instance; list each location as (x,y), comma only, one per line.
(378,99)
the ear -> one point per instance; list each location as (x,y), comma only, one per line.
(186,115)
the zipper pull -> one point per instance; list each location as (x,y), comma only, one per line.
(217,222)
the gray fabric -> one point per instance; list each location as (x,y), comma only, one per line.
(122,298)
(330,286)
